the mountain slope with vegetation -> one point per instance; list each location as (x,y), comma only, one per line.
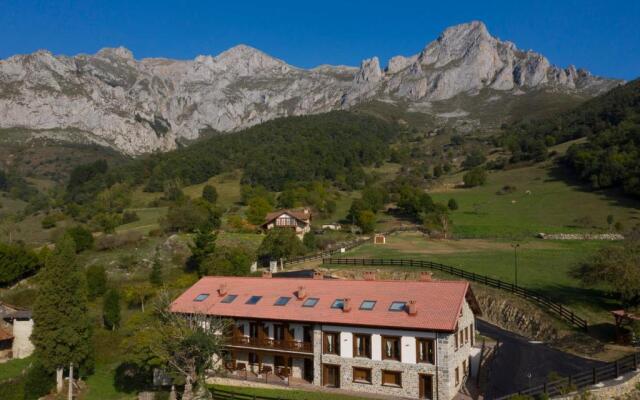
(610,156)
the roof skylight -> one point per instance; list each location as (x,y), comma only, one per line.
(367,305)
(310,302)
(253,300)
(229,298)
(282,301)
(338,303)
(201,297)
(397,306)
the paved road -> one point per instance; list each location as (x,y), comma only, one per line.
(518,357)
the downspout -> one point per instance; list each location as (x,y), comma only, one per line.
(437,374)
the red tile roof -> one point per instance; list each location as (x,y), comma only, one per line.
(438,303)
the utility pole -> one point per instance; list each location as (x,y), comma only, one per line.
(515,259)
(70,381)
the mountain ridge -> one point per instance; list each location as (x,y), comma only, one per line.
(146,105)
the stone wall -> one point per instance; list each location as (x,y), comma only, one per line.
(611,389)
(580,236)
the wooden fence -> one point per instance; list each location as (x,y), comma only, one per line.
(581,380)
(558,309)
(350,245)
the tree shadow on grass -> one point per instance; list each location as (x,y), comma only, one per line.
(615,197)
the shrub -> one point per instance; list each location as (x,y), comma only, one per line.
(16,262)
(48,222)
(191,215)
(452,204)
(474,159)
(209,193)
(366,221)
(475,177)
(130,216)
(228,261)
(38,382)
(82,238)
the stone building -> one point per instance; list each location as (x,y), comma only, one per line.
(16,326)
(407,339)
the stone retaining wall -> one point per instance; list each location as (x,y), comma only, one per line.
(580,236)
(611,389)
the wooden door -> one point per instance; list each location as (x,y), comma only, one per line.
(331,375)
(426,386)
(308,370)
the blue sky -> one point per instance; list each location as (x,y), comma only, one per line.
(602,36)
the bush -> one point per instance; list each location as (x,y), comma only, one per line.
(210,194)
(366,220)
(258,209)
(96,281)
(82,238)
(48,222)
(475,177)
(309,241)
(129,217)
(474,159)
(452,204)
(16,262)
(38,382)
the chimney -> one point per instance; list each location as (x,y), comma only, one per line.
(346,306)
(369,275)
(426,276)
(411,307)
(222,289)
(266,274)
(318,275)
(301,293)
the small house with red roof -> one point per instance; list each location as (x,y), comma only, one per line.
(299,220)
(400,338)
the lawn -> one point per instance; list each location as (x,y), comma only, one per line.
(542,265)
(149,219)
(227,185)
(13,368)
(287,394)
(540,203)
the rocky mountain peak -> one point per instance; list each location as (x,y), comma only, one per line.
(116,52)
(139,106)
(369,71)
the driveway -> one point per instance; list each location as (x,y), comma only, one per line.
(521,363)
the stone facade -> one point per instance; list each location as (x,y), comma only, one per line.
(443,371)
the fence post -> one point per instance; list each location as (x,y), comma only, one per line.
(617,365)
(595,376)
(545,387)
(635,361)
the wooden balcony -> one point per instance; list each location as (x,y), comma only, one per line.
(271,344)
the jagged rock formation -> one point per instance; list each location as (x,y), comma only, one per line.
(139,106)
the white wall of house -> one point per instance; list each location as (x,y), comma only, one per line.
(22,346)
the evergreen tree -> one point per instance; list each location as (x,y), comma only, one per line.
(111,310)
(204,244)
(96,281)
(62,330)
(155,277)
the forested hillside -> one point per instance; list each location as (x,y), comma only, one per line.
(333,146)
(611,123)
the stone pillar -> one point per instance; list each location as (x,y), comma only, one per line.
(317,355)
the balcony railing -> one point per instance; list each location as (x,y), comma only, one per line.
(267,343)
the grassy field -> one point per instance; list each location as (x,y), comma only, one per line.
(540,203)
(13,368)
(542,265)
